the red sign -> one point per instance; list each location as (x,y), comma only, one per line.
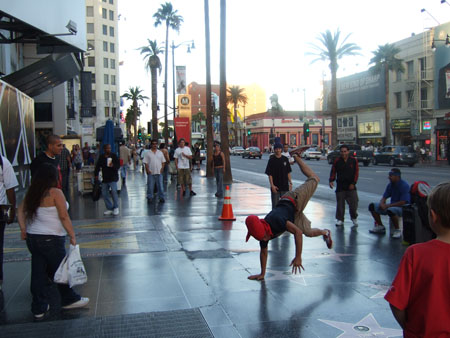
(183,128)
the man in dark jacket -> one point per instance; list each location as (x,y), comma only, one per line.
(109,164)
(346,169)
(50,155)
(279,172)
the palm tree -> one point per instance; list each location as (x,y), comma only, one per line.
(166,14)
(227,177)
(209,117)
(129,120)
(383,61)
(135,95)
(153,63)
(330,49)
(235,96)
(197,119)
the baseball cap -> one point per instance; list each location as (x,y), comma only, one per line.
(257,228)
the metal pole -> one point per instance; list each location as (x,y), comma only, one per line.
(173,78)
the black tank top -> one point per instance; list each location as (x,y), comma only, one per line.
(217,160)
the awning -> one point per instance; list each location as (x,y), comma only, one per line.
(44,74)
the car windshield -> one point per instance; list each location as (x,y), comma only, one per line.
(254,149)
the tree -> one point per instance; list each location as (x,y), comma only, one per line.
(135,95)
(227,177)
(330,49)
(383,61)
(167,14)
(153,63)
(209,112)
(129,120)
(197,119)
(235,96)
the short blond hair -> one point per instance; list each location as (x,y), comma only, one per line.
(439,202)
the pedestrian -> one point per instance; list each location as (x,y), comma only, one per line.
(196,158)
(154,162)
(125,159)
(345,171)
(109,164)
(182,156)
(288,216)
(278,170)
(163,149)
(91,159)
(419,295)
(50,155)
(77,158)
(8,182)
(85,153)
(65,164)
(97,152)
(398,191)
(286,153)
(219,168)
(423,154)
(44,223)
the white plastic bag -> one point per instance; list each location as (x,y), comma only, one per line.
(76,271)
(62,274)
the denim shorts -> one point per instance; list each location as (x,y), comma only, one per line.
(395,210)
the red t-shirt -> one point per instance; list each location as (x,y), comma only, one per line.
(422,288)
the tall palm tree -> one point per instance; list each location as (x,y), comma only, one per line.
(209,112)
(129,120)
(330,49)
(135,95)
(197,119)
(227,177)
(383,61)
(153,63)
(235,96)
(167,14)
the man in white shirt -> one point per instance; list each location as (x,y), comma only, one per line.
(8,182)
(154,162)
(125,159)
(286,153)
(182,156)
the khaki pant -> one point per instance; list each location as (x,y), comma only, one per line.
(302,195)
(184,176)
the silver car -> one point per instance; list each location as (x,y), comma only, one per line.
(312,153)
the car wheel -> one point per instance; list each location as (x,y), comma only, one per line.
(375,162)
(317,159)
(260,157)
(392,162)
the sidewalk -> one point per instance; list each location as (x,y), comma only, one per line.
(176,267)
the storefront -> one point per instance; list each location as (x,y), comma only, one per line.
(401,131)
(442,130)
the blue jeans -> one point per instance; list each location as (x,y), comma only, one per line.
(151,181)
(398,211)
(218,173)
(123,170)
(105,193)
(47,252)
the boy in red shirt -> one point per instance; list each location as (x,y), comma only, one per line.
(420,294)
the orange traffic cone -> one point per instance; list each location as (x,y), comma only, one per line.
(227,209)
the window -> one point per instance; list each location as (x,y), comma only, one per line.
(106,95)
(106,111)
(111,2)
(105,30)
(93,77)
(89,11)
(111,15)
(104,13)
(398,100)
(113,96)
(339,123)
(423,68)
(398,76)
(112,47)
(113,64)
(105,62)
(106,78)
(105,46)
(410,69)
(350,121)
(344,122)
(113,80)
(90,28)
(90,44)
(91,61)
(104,0)
(114,111)
(43,112)
(93,95)
(410,97)
(424,98)
(111,31)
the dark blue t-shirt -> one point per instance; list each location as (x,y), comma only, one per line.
(284,211)
(397,192)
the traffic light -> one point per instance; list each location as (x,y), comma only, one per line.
(249,132)
(306,129)
(139,134)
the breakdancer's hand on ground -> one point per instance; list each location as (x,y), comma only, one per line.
(297,264)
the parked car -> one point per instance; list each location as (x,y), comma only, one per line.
(252,152)
(312,153)
(365,156)
(394,155)
(237,151)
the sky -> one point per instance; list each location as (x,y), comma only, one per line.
(267,41)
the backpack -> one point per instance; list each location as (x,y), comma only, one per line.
(419,192)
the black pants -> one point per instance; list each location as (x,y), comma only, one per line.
(349,196)
(2,236)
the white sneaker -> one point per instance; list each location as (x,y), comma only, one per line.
(81,303)
(378,229)
(397,233)
(339,223)
(355,224)
(115,211)
(108,212)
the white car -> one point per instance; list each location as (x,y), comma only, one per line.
(237,151)
(312,153)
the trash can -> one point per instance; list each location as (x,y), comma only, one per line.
(414,230)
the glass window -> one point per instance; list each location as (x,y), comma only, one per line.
(91,61)
(398,100)
(113,96)
(112,47)
(105,62)
(105,46)
(90,44)
(111,31)
(105,30)
(106,95)
(104,13)
(113,80)
(113,64)
(90,28)
(93,95)
(339,122)
(350,121)
(89,11)
(106,78)
(410,97)
(106,111)
(410,69)
(104,0)
(111,2)
(114,111)
(344,122)
(43,112)
(111,15)
(93,77)
(398,76)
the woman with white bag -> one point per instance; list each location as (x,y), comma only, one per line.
(44,223)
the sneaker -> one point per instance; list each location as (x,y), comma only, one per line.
(108,212)
(327,239)
(41,316)
(80,303)
(339,223)
(116,211)
(397,233)
(377,229)
(192,193)
(161,200)
(355,224)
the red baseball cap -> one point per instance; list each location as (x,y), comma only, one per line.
(257,228)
